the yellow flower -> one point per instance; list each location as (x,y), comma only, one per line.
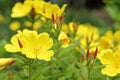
(105,42)
(32,44)
(89,36)
(15,25)
(33,6)
(53,11)
(48,10)
(110,40)
(111,61)
(21,10)
(5,61)
(64,39)
(109,34)
(89,31)
(15,46)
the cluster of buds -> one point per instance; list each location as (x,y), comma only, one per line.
(58,21)
(91,56)
(90,60)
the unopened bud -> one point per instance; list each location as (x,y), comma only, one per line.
(87,54)
(95,53)
(53,18)
(11,62)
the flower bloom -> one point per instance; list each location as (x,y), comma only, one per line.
(38,7)
(31,44)
(64,39)
(89,36)
(48,10)
(111,61)
(110,40)
(5,61)
(33,6)
(54,11)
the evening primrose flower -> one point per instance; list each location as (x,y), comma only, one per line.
(89,36)
(21,9)
(64,39)
(33,6)
(32,44)
(105,43)
(54,11)
(111,61)
(5,61)
(87,30)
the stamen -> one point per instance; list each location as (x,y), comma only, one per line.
(20,44)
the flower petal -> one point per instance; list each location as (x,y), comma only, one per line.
(45,55)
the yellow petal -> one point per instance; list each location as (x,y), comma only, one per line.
(63,8)
(44,41)
(110,71)
(29,53)
(107,56)
(20,10)
(11,48)
(14,47)
(45,55)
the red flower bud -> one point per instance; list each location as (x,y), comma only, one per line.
(87,54)
(95,53)
(53,18)
(11,62)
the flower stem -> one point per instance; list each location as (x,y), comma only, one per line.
(88,74)
(30,72)
(57,66)
(57,53)
(30,69)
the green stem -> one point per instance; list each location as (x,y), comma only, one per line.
(30,69)
(30,72)
(88,73)
(57,54)
(57,66)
